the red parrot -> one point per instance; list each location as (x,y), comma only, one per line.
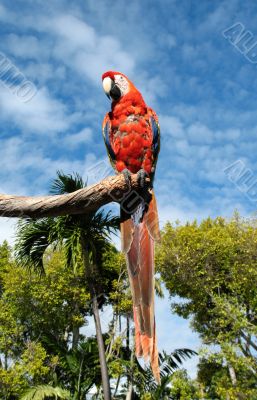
(132,138)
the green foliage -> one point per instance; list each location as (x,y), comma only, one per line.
(210,374)
(66,183)
(75,234)
(121,295)
(81,368)
(33,308)
(28,369)
(43,392)
(146,387)
(84,240)
(183,388)
(49,305)
(212,266)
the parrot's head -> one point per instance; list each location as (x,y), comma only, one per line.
(116,85)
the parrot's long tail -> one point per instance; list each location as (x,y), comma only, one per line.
(138,246)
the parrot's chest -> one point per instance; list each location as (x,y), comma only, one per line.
(132,143)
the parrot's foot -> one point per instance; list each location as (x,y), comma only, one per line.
(141,177)
(127,176)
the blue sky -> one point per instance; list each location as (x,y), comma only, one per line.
(201,86)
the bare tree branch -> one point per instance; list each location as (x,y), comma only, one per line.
(86,200)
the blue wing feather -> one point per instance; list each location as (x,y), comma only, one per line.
(106,134)
(156,137)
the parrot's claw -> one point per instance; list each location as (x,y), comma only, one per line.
(127,176)
(141,176)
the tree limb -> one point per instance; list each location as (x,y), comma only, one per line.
(248,340)
(89,199)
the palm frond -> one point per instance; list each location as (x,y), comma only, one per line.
(72,248)
(105,223)
(92,225)
(67,183)
(33,238)
(168,364)
(42,392)
(82,366)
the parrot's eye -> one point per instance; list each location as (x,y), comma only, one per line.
(115,92)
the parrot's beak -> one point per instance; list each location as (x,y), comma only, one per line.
(111,90)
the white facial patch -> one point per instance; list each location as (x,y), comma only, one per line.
(107,85)
(122,84)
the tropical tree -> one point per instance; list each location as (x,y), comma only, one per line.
(183,387)
(84,238)
(212,266)
(36,318)
(81,367)
(145,386)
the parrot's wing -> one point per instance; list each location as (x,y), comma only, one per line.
(156,143)
(107,140)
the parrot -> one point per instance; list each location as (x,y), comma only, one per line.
(131,134)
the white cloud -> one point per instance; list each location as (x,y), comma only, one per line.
(152,87)
(93,55)
(3,12)
(19,158)
(76,139)
(81,48)
(199,133)
(171,125)
(228,135)
(73,42)
(24,46)
(42,72)
(179,207)
(77,33)
(42,114)
(182,147)
(168,40)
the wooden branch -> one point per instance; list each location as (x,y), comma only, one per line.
(248,340)
(82,201)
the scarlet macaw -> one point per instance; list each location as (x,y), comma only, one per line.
(132,138)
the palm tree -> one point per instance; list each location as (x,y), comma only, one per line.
(42,392)
(145,383)
(84,238)
(82,368)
